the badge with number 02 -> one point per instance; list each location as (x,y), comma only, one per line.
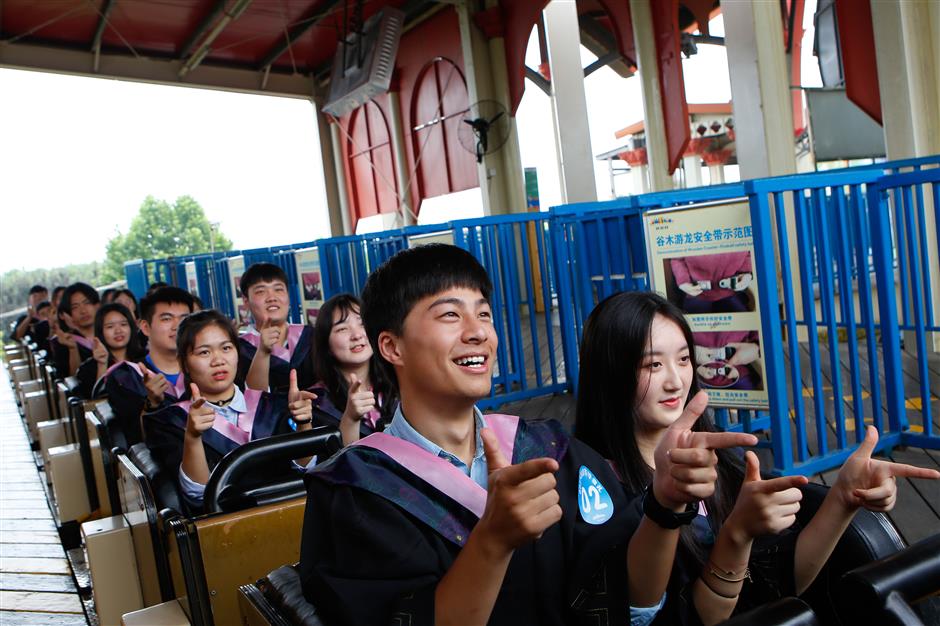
(594,502)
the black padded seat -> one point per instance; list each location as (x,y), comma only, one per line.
(782,612)
(283,593)
(883,591)
(165,493)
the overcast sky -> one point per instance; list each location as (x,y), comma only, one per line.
(78,155)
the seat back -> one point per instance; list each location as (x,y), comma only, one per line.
(883,590)
(782,612)
(143,515)
(870,536)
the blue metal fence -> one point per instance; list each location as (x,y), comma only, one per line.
(863,271)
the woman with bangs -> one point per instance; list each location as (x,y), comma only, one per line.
(115,342)
(189,438)
(352,391)
(740,546)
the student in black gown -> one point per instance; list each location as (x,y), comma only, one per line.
(272,346)
(24,324)
(453,517)
(115,342)
(352,390)
(190,437)
(741,547)
(155,379)
(76,333)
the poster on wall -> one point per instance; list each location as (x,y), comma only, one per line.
(701,258)
(236,267)
(192,281)
(310,283)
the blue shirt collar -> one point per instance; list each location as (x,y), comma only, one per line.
(399,427)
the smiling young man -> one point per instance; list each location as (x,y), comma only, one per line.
(156,381)
(73,345)
(450,516)
(272,347)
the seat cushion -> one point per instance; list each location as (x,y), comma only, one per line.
(282,590)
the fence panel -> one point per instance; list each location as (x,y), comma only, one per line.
(516,252)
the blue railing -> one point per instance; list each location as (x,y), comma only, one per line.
(852,254)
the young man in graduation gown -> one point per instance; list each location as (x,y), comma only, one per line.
(26,323)
(272,347)
(73,345)
(450,516)
(133,388)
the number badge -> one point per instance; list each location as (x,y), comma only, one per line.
(594,502)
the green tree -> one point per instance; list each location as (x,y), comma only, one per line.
(161,230)
(15,283)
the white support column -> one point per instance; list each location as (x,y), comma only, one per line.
(502,182)
(692,164)
(344,220)
(653,120)
(716,174)
(408,215)
(920,22)
(892,79)
(760,88)
(569,105)
(640,184)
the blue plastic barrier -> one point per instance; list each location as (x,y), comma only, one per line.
(832,326)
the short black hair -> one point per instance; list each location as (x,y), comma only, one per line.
(42,305)
(164,295)
(108,295)
(83,288)
(260,272)
(412,274)
(154,286)
(37,289)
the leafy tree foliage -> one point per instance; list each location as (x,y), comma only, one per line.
(161,230)
(15,284)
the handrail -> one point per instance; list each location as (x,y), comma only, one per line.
(322,441)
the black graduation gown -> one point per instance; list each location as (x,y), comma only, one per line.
(296,356)
(326,413)
(377,539)
(60,354)
(165,428)
(127,396)
(87,376)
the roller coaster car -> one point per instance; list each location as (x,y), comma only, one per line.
(883,592)
(246,529)
(277,599)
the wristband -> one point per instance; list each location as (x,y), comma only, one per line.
(298,422)
(716,592)
(666,518)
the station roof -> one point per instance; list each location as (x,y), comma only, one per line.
(280,48)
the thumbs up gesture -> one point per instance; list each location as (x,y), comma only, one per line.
(521,500)
(359,401)
(764,507)
(686,461)
(156,385)
(270,335)
(871,483)
(300,403)
(99,352)
(201,415)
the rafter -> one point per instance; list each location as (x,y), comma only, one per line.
(207,20)
(317,12)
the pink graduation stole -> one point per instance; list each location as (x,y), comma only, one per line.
(293,336)
(439,473)
(240,434)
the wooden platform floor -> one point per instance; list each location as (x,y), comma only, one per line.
(36,583)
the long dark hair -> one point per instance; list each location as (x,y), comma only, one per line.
(616,335)
(327,368)
(134,351)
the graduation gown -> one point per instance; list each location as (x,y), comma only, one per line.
(385,520)
(297,355)
(165,428)
(326,413)
(87,376)
(60,353)
(127,396)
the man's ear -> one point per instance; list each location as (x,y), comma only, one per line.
(390,348)
(144,327)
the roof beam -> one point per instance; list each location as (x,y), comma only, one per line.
(539,80)
(313,16)
(207,20)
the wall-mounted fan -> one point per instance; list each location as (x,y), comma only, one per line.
(484,128)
